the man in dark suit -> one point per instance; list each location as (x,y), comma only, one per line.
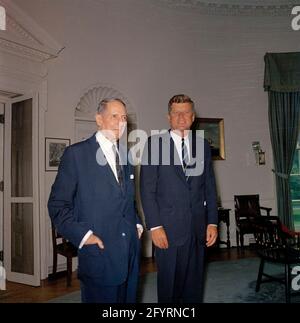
(179,201)
(92,205)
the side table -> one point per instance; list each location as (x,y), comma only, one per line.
(224,216)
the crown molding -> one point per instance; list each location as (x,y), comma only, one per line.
(12,24)
(24,51)
(233,7)
(23,37)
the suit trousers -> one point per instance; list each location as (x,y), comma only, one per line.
(181,272)
(93,292)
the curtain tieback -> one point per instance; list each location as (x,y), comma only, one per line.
(282,175)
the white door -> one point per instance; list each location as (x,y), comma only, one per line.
(21,201)
(1,179)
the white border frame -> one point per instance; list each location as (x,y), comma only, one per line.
(48,141)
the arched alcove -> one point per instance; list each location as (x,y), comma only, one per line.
(87,106)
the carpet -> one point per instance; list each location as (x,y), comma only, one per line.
(226,282)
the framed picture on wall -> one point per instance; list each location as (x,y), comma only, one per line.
(214,134)
(54,149)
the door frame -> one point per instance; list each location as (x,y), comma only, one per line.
(34,279)
(2,102)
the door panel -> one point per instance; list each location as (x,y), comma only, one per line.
(21,219)
(21,149)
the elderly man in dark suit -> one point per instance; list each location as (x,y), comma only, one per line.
(92,205)
(179,201)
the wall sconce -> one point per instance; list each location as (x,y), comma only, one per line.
(260,157)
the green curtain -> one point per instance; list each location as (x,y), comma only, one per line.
(284,126)
(282,72)
(282,80)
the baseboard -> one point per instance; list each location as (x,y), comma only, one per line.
(60,267)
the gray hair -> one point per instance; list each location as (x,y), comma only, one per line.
(103,104)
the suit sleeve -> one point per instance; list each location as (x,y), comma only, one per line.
(62,200)
(137,217)
(210,188)
(148,188)
(131,171)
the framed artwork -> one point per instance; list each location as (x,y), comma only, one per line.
(54,148)
(214,134)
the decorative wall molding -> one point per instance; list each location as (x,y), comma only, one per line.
(233,7)
(16,76)
(11,24)
(24,51)
(88,103)
(24,37)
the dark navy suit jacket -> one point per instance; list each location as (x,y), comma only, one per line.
(183,207)
(86,196)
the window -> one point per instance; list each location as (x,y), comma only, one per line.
(295,186)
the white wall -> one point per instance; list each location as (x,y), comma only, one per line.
(151,52)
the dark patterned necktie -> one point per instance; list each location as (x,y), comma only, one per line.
(184,155)
(119,167)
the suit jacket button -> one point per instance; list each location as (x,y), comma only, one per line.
(123,234)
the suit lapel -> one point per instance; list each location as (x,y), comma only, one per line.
(101,165)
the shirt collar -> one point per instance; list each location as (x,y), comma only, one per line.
(103,141)
(178,138)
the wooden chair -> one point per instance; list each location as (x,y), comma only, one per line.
(247,209)
(65,248)
(276,245)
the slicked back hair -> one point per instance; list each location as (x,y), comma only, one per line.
(180,98)
(103,104)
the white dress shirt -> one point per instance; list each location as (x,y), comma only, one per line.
(178,142)
(106,146)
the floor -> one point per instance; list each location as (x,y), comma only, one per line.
(18,293)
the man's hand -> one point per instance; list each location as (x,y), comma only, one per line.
(159,238)
(211,235)
(95,240)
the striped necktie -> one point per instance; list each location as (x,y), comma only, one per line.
(119,167)
(184,155)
